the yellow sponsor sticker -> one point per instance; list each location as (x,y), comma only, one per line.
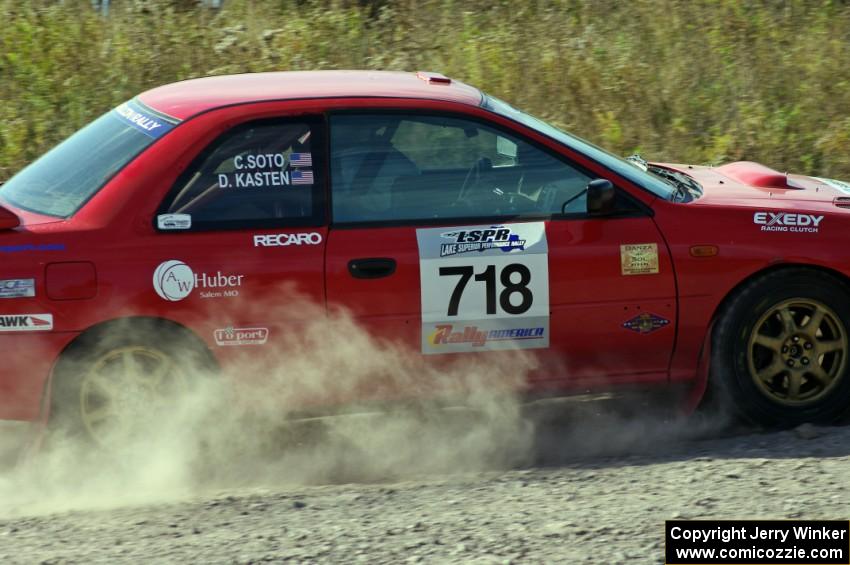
(639,259)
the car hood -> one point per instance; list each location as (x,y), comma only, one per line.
(749,184)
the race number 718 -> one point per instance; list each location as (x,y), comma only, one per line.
(514,278)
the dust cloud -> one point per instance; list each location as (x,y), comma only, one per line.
(263,425)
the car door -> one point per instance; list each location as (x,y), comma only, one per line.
(453,236)
(240,238)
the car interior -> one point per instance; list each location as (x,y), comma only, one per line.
(377,174)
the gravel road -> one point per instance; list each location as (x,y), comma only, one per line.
(603,500)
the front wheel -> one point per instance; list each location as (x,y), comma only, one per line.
(780,349)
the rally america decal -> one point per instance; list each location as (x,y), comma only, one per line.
(26,322)
(484,287)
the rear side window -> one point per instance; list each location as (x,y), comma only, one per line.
(66,177)
(261,174)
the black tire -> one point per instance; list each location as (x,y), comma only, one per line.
(75,392)
(742,369)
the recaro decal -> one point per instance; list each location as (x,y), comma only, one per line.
(284,239)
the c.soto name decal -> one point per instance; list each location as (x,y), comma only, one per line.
(268,170)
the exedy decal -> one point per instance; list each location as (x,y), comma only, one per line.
(466,241)
(787,222)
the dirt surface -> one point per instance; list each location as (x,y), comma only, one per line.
(596,494)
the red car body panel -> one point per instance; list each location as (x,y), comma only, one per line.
(186,99)
(113,237)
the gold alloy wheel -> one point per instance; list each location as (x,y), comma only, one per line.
(125,387)
(797,352)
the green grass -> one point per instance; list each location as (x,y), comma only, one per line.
(676,80)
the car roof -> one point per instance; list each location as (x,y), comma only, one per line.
(185,99)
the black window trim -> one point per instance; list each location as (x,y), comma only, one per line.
(639,208)
(320,188)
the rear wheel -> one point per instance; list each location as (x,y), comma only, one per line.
(112,389)
(781,349)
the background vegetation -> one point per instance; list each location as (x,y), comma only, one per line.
(677,80)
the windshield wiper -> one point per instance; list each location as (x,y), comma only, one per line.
(686,188)
(638,161)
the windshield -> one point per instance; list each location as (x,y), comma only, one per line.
(62,180)
(620,166)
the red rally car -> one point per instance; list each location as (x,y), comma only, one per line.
(441,218)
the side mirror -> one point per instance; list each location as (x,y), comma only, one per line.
(8,219)
(600,197)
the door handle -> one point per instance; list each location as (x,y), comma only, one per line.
(371,268)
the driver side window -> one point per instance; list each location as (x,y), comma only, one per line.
(260,174)
(392,167)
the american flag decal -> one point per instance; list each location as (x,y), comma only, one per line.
(301,159)
(302,177)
